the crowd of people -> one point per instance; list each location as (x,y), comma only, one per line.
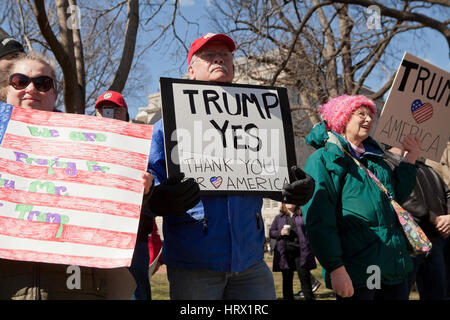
(214,245)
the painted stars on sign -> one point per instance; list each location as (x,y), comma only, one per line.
(421,112)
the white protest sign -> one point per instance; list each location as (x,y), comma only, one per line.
(418,104)
(70,187)
(231,138)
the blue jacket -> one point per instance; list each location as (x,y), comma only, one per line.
(221,233)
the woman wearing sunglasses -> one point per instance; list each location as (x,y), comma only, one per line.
(32,84)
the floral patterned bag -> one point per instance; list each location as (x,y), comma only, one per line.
(418,242)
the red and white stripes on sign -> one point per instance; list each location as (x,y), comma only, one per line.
(56,119)
(423,113)
(80,243)
(82,176)
(80,151)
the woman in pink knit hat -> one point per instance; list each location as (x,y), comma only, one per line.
(351,224)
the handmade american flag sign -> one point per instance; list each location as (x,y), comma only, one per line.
(421,112)
(70,187)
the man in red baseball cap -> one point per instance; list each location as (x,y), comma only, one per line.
(210,58)
(214,250)
(112,105)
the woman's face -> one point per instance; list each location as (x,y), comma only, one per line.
(359,125)
(291,207)
(29,97)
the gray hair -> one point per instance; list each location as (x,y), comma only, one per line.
(193,59)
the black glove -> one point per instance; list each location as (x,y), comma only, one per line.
(300,191)
(174,196)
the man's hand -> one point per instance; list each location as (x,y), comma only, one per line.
(174,196)
(301,190)
(443,225)
(341,282)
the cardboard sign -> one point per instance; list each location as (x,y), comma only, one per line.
(418,104)
(231,138)
(71,189)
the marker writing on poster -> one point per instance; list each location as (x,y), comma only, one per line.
(7,183)
(74,135)
(50,217)
(214,103)
(398,129)
(71,167)
(87,136)
(43,132)
(34,215)
(424,83)
(49,187)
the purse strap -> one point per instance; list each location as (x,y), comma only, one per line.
(333,139)
(370,174)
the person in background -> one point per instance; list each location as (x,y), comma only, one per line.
(111,104)
(215,250)
(292,251)
(429,204)
(154,249)
(350,222)
(442,167)
(10,49)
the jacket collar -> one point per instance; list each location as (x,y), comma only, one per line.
(320,137)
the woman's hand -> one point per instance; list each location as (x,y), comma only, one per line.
(147,181)
(341,282)
(411,144)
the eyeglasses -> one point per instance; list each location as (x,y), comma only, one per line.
(363,115)
(210,55)
(20,81)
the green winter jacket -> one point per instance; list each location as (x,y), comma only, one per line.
(349,220)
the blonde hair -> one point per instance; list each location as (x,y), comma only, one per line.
(38,57)
(33,56)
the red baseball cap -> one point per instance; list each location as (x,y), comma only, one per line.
(200,42)
(111,96)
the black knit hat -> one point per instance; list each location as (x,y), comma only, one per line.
(9,45)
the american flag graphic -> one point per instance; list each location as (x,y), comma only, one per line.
(216,181)
(421,112)
(71,189)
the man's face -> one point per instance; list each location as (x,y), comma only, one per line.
(214,62)
(119,113)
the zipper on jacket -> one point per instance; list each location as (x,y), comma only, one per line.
(205,225)
(258,221)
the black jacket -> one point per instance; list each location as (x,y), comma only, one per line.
(429,199)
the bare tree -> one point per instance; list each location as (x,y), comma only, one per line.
(320,48)
(93,42)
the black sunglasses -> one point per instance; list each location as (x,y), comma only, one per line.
(20,81)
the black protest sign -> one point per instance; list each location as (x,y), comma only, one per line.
(232,138)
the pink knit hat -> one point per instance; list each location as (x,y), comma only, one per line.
(338,110)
